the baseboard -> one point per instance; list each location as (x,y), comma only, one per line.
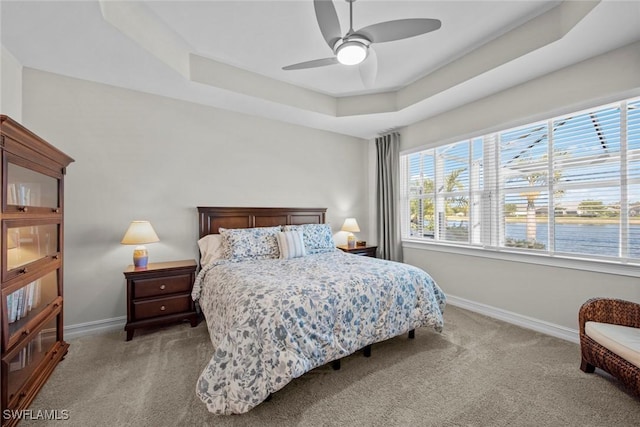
(95,327)
(552,329)
(117,323)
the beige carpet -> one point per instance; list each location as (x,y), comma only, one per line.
(478,372)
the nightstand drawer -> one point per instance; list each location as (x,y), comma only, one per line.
(161,306)
(363,252)
(369,251)
(163,286)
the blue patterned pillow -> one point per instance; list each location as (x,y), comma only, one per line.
(318,238)
(291,244)
(250,243)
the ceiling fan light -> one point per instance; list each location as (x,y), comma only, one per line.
(351,53)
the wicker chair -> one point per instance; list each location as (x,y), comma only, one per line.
(594,355)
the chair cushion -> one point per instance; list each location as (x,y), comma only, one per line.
(621,340)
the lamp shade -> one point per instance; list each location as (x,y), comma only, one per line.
(350,225)
(139,233)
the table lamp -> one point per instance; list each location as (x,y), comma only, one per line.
(351,225)
(139,233)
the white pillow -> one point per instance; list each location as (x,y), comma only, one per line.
(210,248)
(291,244)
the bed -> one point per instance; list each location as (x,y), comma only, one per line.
(271,319)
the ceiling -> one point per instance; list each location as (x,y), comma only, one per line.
(230,54)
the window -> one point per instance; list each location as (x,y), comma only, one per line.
(445,192)
(568,186)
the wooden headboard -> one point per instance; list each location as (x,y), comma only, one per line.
(212,218)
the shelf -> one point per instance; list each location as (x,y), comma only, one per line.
(31,302)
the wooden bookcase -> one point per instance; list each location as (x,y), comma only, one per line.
(31,259)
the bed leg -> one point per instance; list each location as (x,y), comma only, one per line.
(412,334)
(336,365)
(367,351)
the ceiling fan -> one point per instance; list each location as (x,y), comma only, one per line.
(355,46)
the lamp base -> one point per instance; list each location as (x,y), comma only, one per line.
(351,241)
(140,257)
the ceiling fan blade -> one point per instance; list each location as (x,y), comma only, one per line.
(312,64)
(400,29)
(328,21)
(369,69)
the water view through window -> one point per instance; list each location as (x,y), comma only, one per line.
(568,185)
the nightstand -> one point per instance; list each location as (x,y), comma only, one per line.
(360,250)
(160,294)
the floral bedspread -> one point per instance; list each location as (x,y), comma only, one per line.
(272,320)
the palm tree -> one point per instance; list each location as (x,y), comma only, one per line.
(532,196)
(423,210)
(452,183)
(537,179)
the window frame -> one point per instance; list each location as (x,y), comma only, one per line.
(492,195)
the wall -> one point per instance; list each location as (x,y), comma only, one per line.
(547,297)
(141,156)
(10,85)
(545,294)
(599,80)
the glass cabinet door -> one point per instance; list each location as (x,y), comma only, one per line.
(28,246)
(22,363)
(30,302)
(27,188)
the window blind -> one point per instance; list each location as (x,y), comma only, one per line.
(445,193)
(631,187)
(587,167)
(523,186)
(569,186)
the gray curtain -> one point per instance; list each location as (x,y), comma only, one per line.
(387,192)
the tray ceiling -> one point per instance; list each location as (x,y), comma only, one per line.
(230,54)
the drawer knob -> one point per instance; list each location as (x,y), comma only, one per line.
(23,270)
(163,308)
(55,210)
(26,332)
(162,287)
(23,208)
